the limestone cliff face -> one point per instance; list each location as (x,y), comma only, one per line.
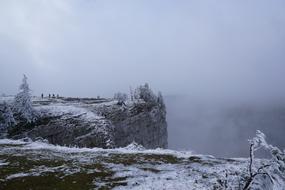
(75,131)
(92,124)
(143,123)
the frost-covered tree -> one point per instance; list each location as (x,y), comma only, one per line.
(120,97)
(22,102)
(160,100)
(131,94)
(7,116)
(145,93)
(274,170)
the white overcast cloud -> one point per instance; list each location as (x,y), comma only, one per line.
(96,47)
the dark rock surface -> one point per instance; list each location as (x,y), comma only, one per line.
(143,123)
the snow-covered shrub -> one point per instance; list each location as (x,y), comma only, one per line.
(145,93)
(120,97)
(7,116)
(274,171)
(23,104)
(131,94)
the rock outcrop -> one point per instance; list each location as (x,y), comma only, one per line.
(143,123)
(87,123)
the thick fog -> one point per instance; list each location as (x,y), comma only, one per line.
(222,129)
(217,54)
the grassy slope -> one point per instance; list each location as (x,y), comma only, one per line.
(36,166)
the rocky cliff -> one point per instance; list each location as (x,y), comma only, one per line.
(141,122)
(96,123)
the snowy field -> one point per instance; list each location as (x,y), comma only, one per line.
(37,165)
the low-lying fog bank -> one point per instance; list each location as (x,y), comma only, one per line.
(222,129)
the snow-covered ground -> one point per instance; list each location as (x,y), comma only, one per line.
(24,163)
(63,109)
(6,99)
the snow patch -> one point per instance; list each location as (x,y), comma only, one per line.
(133,148)
(3,163)
(17,175)
(12,142)
(63,109)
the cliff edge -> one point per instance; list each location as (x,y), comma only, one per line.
(96,123)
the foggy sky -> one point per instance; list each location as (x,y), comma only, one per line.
(213,49)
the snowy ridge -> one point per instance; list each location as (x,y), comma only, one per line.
(133,148)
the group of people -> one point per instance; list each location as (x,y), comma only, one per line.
(50,96)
